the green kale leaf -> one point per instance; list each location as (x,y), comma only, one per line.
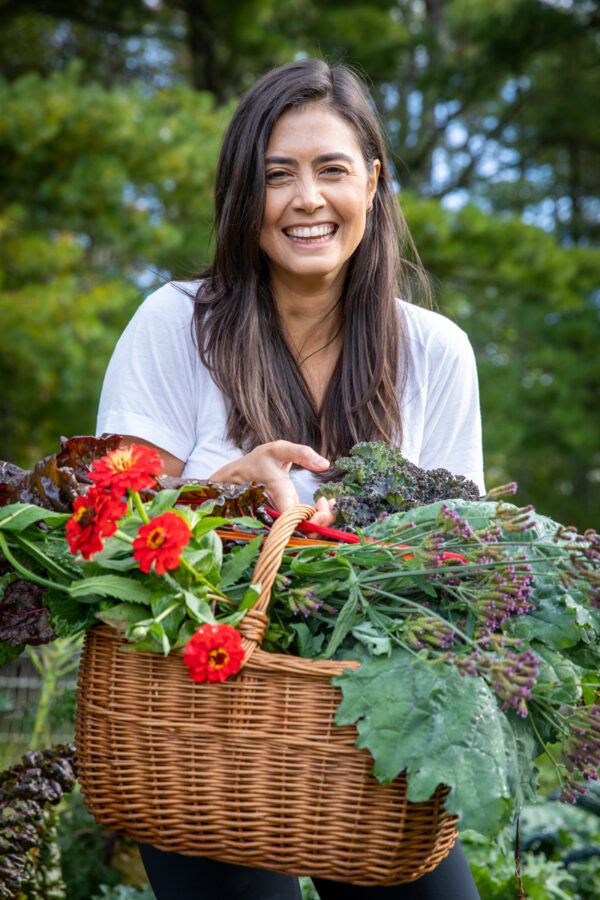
(441,728)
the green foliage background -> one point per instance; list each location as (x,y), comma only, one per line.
(112,116)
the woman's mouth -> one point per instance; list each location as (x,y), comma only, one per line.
(311,235)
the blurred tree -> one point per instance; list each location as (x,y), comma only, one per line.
(488,101)
(98,186)
(215,46)
(109,37)
(532,311)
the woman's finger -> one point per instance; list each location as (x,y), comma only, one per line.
(325,513)
(288,454)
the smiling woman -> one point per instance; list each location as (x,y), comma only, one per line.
(292,347)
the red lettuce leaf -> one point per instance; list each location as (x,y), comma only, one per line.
(23,616)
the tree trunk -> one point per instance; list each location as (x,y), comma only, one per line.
(202,40)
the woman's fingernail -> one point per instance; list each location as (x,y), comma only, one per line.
(319,461)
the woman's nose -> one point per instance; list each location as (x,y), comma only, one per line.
(308,196)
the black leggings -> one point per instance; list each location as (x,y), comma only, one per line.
(177,877)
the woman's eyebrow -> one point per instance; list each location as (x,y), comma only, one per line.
(324,157)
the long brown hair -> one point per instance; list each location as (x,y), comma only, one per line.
(235,318)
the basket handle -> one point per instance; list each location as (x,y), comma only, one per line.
(254,624)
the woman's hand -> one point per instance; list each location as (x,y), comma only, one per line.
(270,465)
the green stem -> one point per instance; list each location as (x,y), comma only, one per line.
(165,612)
(197,576)
(403,644)
(544,747)
(52,662)
(430,614)
(122,536)
(137,501)
(33,550)
(559,725)
(37,579)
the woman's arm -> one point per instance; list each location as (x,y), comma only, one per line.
(171,464)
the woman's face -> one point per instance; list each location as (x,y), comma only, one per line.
(318,190)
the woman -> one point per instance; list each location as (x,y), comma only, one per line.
(292,347)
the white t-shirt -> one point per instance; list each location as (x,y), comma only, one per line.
(157,389)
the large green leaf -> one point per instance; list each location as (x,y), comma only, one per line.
(112,586)
(19,516)
(441,728)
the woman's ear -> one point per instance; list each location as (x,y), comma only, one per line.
(372,183)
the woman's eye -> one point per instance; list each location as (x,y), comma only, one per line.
(276,175)
(334,170)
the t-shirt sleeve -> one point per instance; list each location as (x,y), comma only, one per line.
(149,389)
(452,426)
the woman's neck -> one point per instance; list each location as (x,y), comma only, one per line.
(311,322)
(310,316)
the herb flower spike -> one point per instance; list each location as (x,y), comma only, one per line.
(213,653)
(134,468)
(582,752)
(94,518)
(161,542)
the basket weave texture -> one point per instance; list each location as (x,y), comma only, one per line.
(252,771)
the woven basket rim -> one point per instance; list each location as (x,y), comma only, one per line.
(260,658)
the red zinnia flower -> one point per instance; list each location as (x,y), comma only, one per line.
(132,467)
(214,653)
(94,517)
(161,542)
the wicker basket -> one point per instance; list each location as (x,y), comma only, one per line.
(251,771)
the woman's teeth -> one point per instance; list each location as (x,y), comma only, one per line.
(314,234)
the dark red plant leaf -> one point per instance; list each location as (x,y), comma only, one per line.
(79,452)
(23,616)
(57,480)
(230,499)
